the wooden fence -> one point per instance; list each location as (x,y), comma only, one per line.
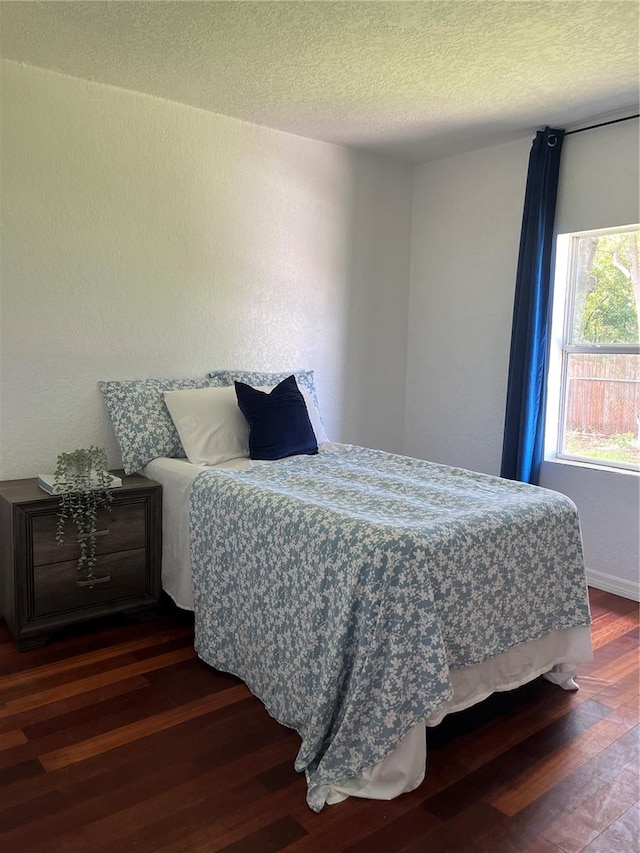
(604,394)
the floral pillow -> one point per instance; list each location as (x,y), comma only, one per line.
(141,420)
(222,378)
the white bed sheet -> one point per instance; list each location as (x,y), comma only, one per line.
(555,655)
(176,476)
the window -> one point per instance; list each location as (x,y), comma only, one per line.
(593,414)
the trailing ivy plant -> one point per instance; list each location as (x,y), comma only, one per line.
(82,480)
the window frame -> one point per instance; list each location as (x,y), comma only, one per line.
(568,272)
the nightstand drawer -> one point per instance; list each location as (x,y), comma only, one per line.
(120,528)
(59,587)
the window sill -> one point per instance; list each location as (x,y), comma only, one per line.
(590,466)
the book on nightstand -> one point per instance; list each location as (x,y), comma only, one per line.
(47,483)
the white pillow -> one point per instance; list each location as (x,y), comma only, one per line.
(211,426)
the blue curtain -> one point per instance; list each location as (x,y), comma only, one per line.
(525,411)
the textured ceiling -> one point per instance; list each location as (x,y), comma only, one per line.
(415,79)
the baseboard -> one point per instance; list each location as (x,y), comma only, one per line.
(616,586)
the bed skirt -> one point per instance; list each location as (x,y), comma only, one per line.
(554,656)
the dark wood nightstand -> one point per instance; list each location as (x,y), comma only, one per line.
(39,586)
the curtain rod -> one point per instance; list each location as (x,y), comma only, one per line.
(603,124)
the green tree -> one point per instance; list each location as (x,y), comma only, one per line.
(608,313)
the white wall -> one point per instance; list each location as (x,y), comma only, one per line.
(145,238)
(465,234)
(467,212)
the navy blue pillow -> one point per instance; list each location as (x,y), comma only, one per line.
(279,424)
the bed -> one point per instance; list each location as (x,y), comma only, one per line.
(362,596)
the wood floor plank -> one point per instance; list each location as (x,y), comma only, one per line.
(134,731)
(17,772)
(394,835)
(557,766)
(610,653)
(55,844)
(183,742)
(541,845)
(69,728)
(145,748)
(190,679)
(620,668)
(623,835)
(97,776)
(270,839)
(469,752)
(623,692)
(473,823)
(581,826)
(82,639)
(131,826)
(13,737)
(348,822)
(604,602)
(499,774)
(98,822)
(122,802)
(529,824)
(88,720)
(43,683)
(192,822)
(215,821)
(485,744)
(73,688)
(23,719)
(609,630)
(49,670)
(10,818)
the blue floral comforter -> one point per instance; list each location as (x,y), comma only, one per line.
(342,588)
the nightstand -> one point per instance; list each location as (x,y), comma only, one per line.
(40,590)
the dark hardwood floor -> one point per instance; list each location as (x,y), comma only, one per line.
(115,738)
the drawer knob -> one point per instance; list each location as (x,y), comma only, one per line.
(94,581)
(103,532)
